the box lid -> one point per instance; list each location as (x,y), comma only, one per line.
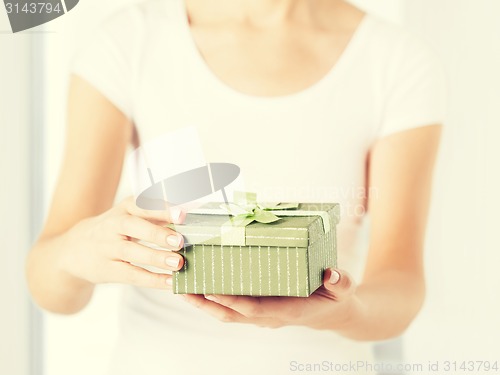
(289,231)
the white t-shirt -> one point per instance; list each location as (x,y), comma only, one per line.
(145,61)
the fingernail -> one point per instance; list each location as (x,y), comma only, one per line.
(334,277)
(174,240)
(211,298)
(169,281)
(175,215)
(172,262)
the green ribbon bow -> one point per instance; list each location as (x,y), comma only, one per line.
(246,210)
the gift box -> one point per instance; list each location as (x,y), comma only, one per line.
(285,256)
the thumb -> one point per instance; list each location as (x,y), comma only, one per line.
(339,284)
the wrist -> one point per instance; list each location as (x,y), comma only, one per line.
(53,288)
(352,316)
(341,317)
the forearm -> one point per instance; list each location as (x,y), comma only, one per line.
(383,307)
(53,288)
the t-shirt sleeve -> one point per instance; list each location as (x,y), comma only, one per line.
(107,59)
(416,88)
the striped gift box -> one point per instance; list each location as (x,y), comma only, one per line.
(284,258)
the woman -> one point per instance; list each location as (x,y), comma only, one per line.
(333,103)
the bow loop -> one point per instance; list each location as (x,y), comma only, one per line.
(246,210)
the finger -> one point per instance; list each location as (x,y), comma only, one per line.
(219,312)
(169,215)
(125,273)
(227,315)
(250,307)
(141,229)
(247,306)
(286,309)
(132,252)
(339,285)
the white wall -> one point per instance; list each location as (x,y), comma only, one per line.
(15,69)
(461,318)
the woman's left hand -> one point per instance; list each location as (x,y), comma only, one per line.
(330,307)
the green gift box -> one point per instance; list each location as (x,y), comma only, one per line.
(286,257)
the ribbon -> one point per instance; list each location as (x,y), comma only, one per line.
(246,210)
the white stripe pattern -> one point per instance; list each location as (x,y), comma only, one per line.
(213,270)
(288,292)
(231,252)
(269,268)
(222,266)
(260,269)
(204,269)
(241,270)
(279,270)
(250,268)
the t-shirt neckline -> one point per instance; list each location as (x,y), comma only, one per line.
(196,56)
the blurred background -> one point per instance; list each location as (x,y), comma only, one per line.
(460,320)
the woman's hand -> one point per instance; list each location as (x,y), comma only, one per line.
(331,307)
(104,248)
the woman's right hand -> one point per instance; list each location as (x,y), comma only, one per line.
(104,248)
